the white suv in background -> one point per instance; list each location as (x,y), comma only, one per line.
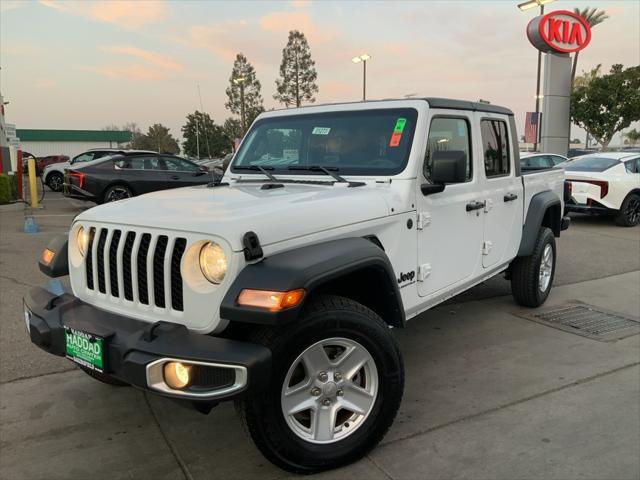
(53,175)
(607,183)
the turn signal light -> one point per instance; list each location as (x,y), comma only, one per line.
(177,375)
(270,300)
(47,256)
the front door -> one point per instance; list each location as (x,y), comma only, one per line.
(503,192)
(449,234)
(181,173)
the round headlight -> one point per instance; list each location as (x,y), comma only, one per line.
(82,240)
(213,262)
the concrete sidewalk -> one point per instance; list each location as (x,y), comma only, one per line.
(489,394)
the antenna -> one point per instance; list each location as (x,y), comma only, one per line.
(206,137)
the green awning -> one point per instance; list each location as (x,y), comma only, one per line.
(31,135)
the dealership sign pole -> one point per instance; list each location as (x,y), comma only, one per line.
(557,34)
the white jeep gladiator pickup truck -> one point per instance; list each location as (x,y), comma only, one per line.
(279,286)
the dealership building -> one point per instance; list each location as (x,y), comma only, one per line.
(42,143)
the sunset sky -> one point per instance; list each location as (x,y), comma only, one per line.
(85,65)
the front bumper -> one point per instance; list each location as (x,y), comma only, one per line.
(132,347)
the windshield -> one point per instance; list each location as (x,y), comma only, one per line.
(591,164)
(364,142)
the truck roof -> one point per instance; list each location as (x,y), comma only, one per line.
(434,102)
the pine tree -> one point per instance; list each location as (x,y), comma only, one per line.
(297,82)
(243,92)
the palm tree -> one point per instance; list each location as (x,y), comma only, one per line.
(594,17)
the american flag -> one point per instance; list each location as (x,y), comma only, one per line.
(531,127)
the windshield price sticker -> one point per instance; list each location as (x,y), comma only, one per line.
(400,123)
(321,131)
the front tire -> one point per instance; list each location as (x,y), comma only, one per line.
(532,276)
(55,181)
(629,214)
(336,386)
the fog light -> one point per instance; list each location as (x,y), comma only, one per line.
(177,375)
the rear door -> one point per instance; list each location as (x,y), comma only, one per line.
(182,173)
(503,192)
(449,235)
(143,173)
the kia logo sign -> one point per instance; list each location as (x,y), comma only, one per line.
(560,31)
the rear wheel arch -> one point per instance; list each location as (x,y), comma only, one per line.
(545,210)
(118,183)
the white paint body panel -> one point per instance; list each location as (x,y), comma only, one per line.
(621,183)
(448,247)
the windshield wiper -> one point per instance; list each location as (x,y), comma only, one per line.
(260,168)
(331,171)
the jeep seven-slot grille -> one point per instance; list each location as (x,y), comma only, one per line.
(111,256)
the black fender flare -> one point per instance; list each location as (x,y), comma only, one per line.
(540,203)
(311,267)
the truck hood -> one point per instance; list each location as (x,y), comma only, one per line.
(275,214)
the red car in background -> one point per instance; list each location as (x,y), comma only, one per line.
(42,162)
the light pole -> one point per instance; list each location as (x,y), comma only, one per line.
(240,81)
(363,58)
(523,7)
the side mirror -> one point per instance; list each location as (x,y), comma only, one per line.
(449,167)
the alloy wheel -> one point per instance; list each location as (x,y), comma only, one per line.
(329,390)
(546,268)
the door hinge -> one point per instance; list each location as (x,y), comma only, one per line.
(488,205)
(424,219)
(424,271)
(486,247)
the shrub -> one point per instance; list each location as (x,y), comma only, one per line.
(5,189)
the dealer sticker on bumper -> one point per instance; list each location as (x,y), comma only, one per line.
(84,349)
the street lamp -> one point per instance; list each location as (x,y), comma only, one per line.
(240,81)
(363,58)
(523,7)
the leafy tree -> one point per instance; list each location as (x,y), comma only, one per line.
(633,136)
(594,17)
(203,138)
(159,139)
(608,104)
(138,140)
(243,92)
(297,82)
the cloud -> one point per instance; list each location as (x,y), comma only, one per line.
(7,5)
(155,59)
(134,71)
(224,39)
(283,22)
(153,66)
(44,83)
(126,13)
(300,3)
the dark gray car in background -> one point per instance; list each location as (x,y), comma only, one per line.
(122,176)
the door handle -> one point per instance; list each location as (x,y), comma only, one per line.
(510,197)
(475,206)
(175,177)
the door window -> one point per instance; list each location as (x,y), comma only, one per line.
(536,162)
(83,157)
(633,166)
(448,134)
(555,160)
(179,165)
(139,163)
(495,143)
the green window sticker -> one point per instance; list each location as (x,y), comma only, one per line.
(400,123)
(321,131)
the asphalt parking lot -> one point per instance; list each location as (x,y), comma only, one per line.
(489,393)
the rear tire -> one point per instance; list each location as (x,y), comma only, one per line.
(532,276)
(115,193)
(55,181)
(286,422)
(101,377)
(629,214)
